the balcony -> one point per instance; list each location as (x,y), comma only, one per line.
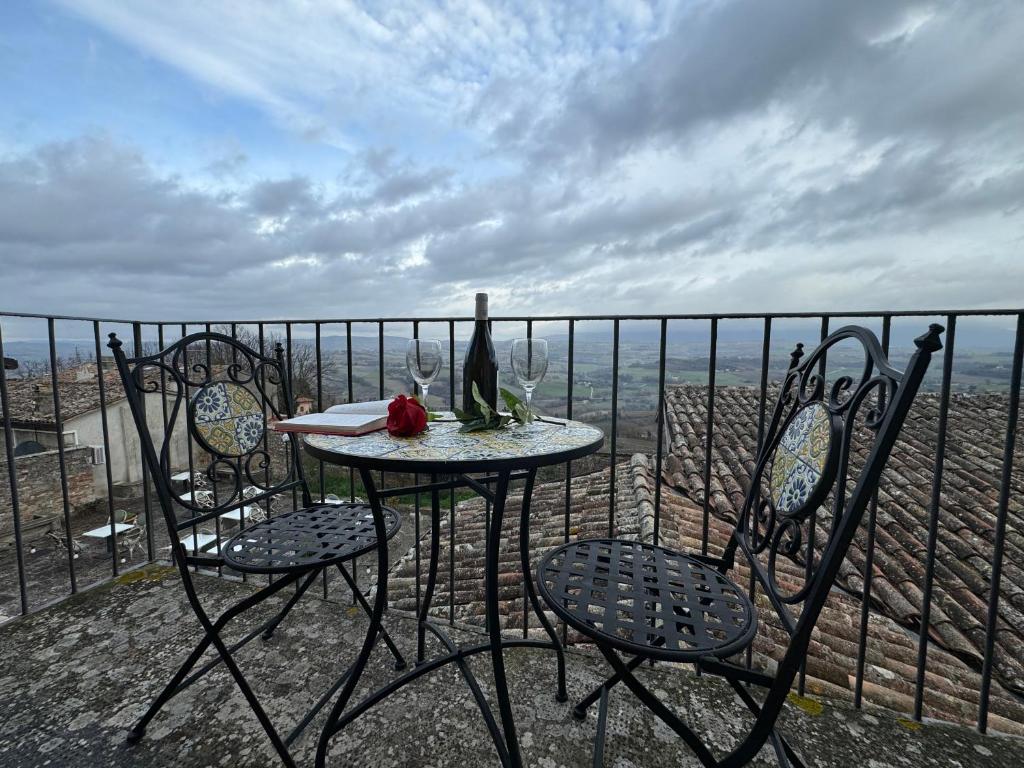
(916,660)
(79,671)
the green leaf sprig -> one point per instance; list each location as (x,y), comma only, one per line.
(483,417)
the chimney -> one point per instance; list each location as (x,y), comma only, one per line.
(44,397)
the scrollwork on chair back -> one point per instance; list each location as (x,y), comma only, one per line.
(220,393)
(820,436)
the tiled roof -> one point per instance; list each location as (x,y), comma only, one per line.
(952,681)
(951,685)
(966,529)
(32,399)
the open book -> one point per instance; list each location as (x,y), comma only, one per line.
(349,424)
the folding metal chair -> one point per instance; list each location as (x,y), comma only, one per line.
(655,603)
(221,392)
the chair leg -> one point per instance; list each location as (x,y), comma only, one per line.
(786,754)
(268,633)
(400,662)
(648,699)
(254,703)
(561,694)
(211,636)
(139,729)
(602,725)
(580,710)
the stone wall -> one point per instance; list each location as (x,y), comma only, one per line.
(39,488)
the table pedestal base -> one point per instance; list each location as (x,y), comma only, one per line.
(502,729)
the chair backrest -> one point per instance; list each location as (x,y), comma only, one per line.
(811,484)
(215,396)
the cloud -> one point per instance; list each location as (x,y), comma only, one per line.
(730,156)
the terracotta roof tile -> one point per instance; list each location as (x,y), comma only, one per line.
(952,686)
(966,522)
(966,530)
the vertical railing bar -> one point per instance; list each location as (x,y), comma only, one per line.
(1000,534)
(163,376)
(291,389)
(241,520)
(933,517)
(348,368)
(380,395)
(416,499)
(812,527)
(61,459)
(522,585)
(766,345)
(261,336)
(380,360)
(147,501)
(188,444)
(12,478)
(105,429)
(568,465)
(451,492)
(821,337)
(869,555)
(615,426)
(163,392)
(380,372)
(709,430)
(662,405)
(320,409)
(216,503)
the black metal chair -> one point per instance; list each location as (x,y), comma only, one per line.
(223,407)
(658,604)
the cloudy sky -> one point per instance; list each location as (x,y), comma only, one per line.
(358,159)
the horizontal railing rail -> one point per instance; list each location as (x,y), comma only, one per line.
(48,490)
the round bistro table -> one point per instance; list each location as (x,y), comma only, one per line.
(449,457)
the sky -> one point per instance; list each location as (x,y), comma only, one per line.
(256,160)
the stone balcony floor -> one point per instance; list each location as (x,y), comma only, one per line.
(75,676)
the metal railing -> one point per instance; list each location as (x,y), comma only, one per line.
(310,333)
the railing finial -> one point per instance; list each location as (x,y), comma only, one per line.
(114,343)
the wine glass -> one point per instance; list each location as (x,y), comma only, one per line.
(529,364)
(423,359)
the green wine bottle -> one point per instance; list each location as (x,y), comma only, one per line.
(481,364)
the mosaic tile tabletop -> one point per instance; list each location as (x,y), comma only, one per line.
(443,442)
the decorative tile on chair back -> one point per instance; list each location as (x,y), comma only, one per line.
(800,459)
(227,419)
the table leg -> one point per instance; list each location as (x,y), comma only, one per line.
(435,552)
(380,601)
(531,591)
(494,624)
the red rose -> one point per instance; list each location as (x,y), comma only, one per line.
(406,416)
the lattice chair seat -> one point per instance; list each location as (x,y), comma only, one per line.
(646,599)
(316,536)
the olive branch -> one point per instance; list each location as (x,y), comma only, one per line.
(483,416)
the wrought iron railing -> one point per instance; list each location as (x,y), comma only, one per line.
(354,380)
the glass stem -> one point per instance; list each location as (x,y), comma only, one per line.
(529,396)
(424,389)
